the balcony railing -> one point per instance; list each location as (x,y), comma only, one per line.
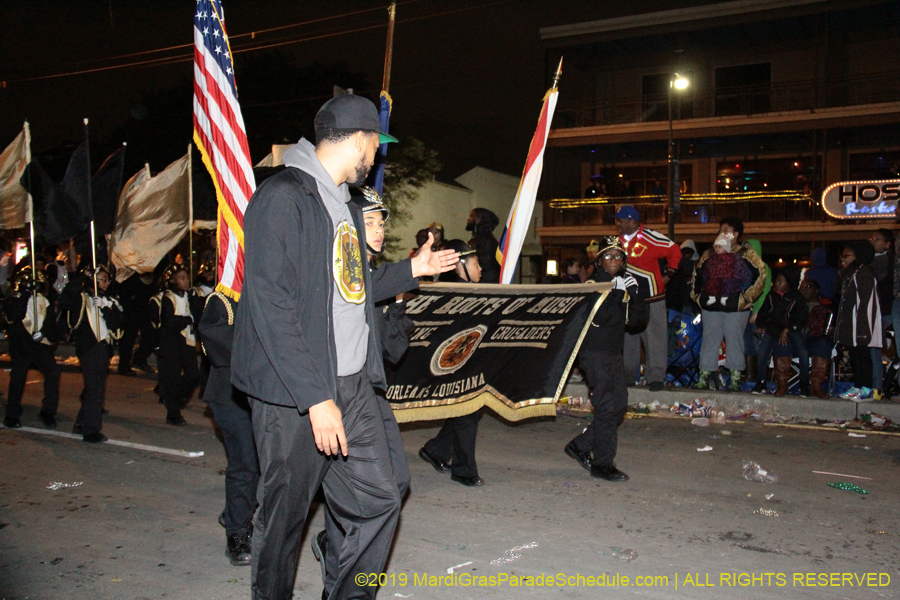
(741,100)
(695,208)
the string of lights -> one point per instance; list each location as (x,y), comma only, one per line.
(686,199)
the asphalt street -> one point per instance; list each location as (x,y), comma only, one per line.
(142,524)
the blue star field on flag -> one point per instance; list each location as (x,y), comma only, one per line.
(209,21)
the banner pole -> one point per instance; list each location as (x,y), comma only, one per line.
(87,145)
(31,227)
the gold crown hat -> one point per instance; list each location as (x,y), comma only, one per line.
(611,242)
(24,278)
(205,267)
(169,273)
(89,271)
(372,202)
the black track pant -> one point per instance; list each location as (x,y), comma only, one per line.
(138,322)
(361,492)
(94,368)
(609,395)
(861,362)
(178,376)
(41,356)
(455,444)
(401,476)
(232,414)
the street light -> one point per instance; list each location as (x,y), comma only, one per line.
(680,83)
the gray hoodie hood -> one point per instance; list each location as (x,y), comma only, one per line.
(302,155)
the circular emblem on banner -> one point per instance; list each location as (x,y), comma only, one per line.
(453,353)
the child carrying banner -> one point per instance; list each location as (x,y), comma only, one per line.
(453,449)
(602,363)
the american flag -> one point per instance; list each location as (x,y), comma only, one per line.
(222,139)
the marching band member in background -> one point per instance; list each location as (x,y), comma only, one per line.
(96,323)
(178,371)
(32,340)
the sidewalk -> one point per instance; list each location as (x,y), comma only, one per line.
(787,406)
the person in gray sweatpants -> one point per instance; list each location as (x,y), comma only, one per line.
(726,282)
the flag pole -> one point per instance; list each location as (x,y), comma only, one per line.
(389,51)
(116,215)
(31,227)
(87,146)
(190,218)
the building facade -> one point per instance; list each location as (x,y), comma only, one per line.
(783,99)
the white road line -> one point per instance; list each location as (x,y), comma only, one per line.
(145,447)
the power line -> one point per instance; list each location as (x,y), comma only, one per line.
(250,48)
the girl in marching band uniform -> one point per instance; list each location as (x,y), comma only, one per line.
(95,321)
(178,371)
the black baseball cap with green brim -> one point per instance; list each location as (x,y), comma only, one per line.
(351,113)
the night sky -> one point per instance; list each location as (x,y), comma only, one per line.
(468,76)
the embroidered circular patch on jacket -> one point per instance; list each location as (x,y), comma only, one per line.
(348,264)
(453,353)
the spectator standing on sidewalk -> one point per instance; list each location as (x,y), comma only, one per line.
(652,260)
(883,266)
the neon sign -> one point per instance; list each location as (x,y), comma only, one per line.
(862,199)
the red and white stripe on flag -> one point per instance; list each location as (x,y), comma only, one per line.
(523,206)
(222,139)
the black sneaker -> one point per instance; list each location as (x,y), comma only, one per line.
(95,438)
(804,390)
(238,549)
(48,419)
(12,423)
(657,386)
(78,428)
(176,420)
(759,388)
(129,372)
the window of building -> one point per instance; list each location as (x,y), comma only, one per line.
(655,99)
(743,89)
(875,166)
(644,180)
(765,174)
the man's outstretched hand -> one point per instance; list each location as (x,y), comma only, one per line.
(328,428)
(428,262)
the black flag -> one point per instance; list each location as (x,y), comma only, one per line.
(62,210)
(105,187)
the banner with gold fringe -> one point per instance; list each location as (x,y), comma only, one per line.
(507,347)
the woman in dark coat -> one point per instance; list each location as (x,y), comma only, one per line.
(858,325)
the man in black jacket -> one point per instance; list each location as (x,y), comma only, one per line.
(307,353)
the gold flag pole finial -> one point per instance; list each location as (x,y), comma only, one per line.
(558,73)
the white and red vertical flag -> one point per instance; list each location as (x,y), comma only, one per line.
(523,206)
(222,139)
